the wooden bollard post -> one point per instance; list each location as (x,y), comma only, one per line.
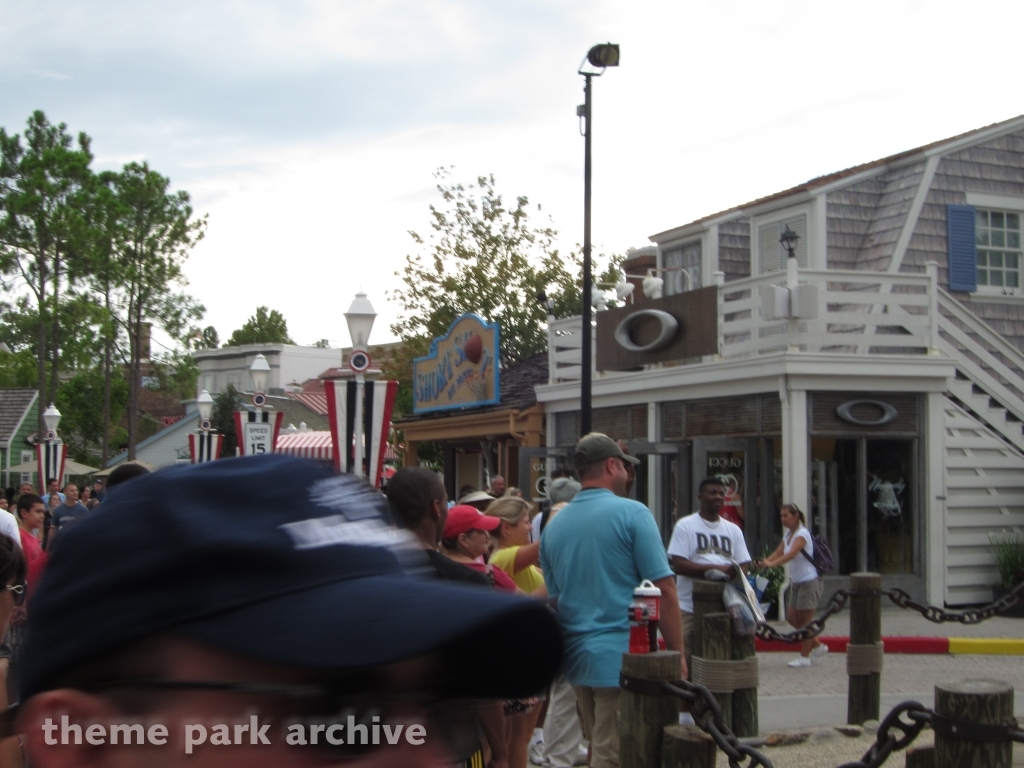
(983,702)
(707,598)
(744,700)
(717,640)
(643,717)
(921,757)
(865,692)
(687,746)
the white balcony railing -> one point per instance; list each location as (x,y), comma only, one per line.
(851,313)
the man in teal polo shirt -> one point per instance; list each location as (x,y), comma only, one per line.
(593,554)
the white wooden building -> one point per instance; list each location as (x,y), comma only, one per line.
(888,405)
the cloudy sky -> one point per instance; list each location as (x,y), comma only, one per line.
(309,130)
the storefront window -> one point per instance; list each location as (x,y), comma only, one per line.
(862,502)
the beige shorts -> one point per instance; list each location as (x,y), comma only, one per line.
(804,596)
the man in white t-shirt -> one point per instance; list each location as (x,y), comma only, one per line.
(702,542)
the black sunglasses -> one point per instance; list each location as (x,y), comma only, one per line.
(454,721)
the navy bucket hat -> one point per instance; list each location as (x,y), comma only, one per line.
(280,560)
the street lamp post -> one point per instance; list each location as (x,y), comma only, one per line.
(600,56)
(257,430)
(205,444)
(51,451)
(360,317)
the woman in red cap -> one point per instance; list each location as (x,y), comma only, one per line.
(465,540)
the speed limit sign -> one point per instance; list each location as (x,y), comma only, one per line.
(259,437)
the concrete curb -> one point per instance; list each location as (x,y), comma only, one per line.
(996,646)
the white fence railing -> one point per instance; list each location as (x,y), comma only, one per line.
(848,312)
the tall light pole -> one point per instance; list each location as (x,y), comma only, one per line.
(360,317)
(257,429)
(600,56)
(51,450)
(205,444)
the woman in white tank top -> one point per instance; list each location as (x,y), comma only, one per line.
(806,587)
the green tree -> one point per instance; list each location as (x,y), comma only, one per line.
(225,404)
(156,234)
(83,426)
(204,338)
(43,182)
(322,344)
(488,258)
(267,326)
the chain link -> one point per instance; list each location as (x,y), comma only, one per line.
(835,604)
(886,742)
(707,715)
(939,615)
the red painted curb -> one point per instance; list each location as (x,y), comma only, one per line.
(892,645)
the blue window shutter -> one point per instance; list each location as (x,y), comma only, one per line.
(963,270)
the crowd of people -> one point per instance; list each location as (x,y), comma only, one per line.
(270,584)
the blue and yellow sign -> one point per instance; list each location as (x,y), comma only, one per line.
(461,370)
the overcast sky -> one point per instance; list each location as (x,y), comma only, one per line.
(308,131)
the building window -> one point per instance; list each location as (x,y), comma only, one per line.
(26,457)
(684,257)
(997,234)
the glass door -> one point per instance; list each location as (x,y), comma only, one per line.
(863,502)
(662,481)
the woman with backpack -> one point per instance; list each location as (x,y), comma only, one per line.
(797,549)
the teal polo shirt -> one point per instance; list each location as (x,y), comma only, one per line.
(594,553)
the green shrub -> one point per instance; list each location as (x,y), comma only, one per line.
(775,576)
(1008,549)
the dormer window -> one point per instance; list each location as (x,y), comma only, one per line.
(686,256)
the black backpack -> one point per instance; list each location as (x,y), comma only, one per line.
(822,559)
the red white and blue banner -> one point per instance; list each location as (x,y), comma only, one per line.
(378,402)
(51,457)
(257,431)
(204,446)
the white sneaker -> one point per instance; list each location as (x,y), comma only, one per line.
(685,718)
(820,651)
(581,756)
(536,752)
(801,661)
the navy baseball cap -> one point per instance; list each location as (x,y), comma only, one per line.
(280,560)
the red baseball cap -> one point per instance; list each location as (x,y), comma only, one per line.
(463,518)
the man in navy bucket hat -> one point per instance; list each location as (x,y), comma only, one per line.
(257,611)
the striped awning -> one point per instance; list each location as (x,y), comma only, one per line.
(308,445)
(317,445)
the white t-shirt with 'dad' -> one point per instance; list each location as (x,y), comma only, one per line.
(708,543)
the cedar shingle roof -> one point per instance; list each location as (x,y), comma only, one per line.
(517,390)
(820,181)
(13,405)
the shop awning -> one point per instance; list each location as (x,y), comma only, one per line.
(316,445)
(307,445)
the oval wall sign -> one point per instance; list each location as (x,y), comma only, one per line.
(669,328)
(845,412)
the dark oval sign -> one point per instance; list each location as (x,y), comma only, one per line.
(669,328)
(845,412)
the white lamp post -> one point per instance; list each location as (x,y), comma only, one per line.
(205,404)
(51,451)
(259,370)
(360,317)
(51,417)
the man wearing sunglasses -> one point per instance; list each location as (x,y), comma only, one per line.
(259,612)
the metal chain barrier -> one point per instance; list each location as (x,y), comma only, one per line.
(902,599)
(835,604)
(896,732)
(707,715)
(886,742)
(939,615)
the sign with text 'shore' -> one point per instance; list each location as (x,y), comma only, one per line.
(461,370)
